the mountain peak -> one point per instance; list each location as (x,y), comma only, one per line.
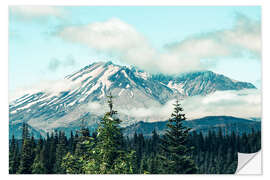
(132,88)
(103,63)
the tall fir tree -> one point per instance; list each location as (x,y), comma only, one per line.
(71,142)
(110,157)
(176,159)
(61,151)
(14,156)
(83,143)
(83,137)
(38,164)
(27,152)
(154,142)
(109,138)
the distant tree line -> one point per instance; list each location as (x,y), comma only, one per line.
(107,151)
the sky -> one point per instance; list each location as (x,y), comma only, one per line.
(49,42)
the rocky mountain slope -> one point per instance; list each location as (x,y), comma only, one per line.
(85,96)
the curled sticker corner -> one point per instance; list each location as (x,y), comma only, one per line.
(244,159)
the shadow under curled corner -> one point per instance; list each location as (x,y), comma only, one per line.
(249,163)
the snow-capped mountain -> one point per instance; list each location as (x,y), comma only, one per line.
(85,95)
(201,83)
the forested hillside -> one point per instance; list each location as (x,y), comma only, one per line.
(108,151)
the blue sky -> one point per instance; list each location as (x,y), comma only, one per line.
(48,43)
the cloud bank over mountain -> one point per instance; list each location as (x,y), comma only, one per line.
(243,103)
(141,95)
(115,37)
(53,87)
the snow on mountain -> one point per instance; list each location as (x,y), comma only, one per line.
(131,87)
(201,83)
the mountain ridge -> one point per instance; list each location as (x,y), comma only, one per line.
(130,86)
(227,124)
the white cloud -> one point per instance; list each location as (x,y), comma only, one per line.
(121,39)
(95,107)
(109,35)
(32,12)
(53,87)
(56,63)
(244,103)
(245,36)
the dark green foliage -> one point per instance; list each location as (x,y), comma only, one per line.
(27,157)
(14,158)
(218,154)
(109,155)
(176,159)
(72,164)
(61,151)
(38,164)
(211,155)
(107,151)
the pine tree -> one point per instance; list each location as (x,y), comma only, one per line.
(71,142)
(60,153)
(38,164)
(11,154)
(155,142)
(139,147)
(75,142)
(52,142)
(109,156)
(154,165)
(109,138)
(72,164)
(76,163)
(82,145)
(176,159)
(33,147)
(46,154)
(144,166)
(26,154)
(14,160)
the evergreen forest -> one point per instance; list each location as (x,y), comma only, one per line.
(107,151)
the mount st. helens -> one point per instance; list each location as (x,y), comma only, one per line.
(85,95)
